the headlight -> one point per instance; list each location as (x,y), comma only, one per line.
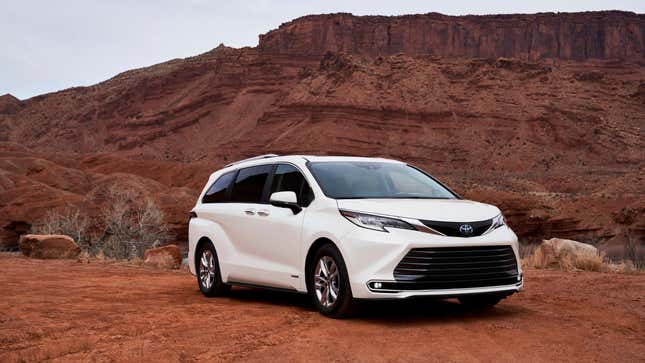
(376,223)
(498,222)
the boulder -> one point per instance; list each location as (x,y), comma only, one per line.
(48,246)
(568,255)
(168,256)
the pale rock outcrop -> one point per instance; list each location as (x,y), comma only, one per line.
(568,255)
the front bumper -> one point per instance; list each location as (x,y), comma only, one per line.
(396,293)
(372,256)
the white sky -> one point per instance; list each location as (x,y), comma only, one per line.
(50,45)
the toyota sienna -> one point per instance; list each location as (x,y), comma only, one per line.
(345,228)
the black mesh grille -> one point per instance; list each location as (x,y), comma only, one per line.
(452,229)
(457,267)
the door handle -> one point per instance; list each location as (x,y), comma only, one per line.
(263,212)
(250,212)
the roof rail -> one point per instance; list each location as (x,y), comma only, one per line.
(264,156)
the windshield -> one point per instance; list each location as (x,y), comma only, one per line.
(358,180)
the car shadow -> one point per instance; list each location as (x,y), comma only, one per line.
(388,312)
(425,310)
(273,297)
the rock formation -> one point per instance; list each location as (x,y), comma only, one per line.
(577,36)
(508,109)
(168,257)
(48,246)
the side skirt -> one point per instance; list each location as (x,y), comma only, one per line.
(264,287)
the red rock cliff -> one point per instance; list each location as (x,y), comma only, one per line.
(578,36)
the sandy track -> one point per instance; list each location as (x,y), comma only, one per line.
(68,311)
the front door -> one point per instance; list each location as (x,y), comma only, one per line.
(269,238)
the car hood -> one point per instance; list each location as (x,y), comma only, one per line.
(445,210)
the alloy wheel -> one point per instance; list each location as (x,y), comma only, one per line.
(207,268)
(326,281)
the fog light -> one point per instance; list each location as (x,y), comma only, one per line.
(378,285)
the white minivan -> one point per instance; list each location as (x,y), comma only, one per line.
(345,228)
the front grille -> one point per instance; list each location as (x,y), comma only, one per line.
(452,228)
(456,267)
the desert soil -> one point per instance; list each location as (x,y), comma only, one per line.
(70,311)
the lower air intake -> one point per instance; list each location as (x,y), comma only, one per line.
(456,267)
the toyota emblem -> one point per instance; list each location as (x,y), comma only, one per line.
(466,229)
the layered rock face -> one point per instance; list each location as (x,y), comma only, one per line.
(577,36)
(558,145)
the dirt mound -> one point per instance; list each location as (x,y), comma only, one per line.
(48,246)
(168,257)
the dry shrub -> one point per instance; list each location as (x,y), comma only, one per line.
(136,260)
(84,257)
(69,221)
(527,249)
(586,262)
(130,226)
(127,225)
(100,255)
(534,260)
(626,267)
(634,252)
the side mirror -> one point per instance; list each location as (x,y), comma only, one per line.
(285,200)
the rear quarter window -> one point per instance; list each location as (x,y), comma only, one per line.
(218,192)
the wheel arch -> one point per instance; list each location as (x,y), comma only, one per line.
(202,241)
(312,251)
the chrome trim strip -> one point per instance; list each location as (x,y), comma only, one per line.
(421,227)
(509,287)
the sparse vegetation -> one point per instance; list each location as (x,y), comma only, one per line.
(634,252)
(124,230)
(129,226)
(69,221)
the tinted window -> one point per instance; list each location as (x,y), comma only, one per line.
(287,178)
(249,184)
(217,193)
(347,180)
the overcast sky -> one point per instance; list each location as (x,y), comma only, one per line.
(50,45)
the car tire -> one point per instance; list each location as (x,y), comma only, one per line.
(325,282)
(480,302)
(209,277)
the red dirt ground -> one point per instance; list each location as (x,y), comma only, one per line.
(70,311)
